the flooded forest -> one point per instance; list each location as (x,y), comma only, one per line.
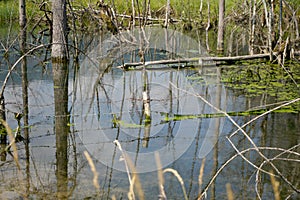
(149,99)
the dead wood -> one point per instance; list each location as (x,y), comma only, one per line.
(202,61)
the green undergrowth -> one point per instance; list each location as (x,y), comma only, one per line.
(186,10)
(9,11)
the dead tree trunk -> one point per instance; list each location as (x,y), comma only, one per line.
(59,31)
(133,13)
(167,14)
(207,26)
(23,49)
(220,42)
(22,23)
(270,29)
(252,27)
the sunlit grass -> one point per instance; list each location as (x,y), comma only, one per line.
(8,11)
(186,8)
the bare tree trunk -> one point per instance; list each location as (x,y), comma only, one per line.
(220,42)
(167,14)
(270,35)
(230,42)
(207,26)
(280,22)
(23,33)
(59,31)
(201,7)
(22,23)
(252,31)
(133,13)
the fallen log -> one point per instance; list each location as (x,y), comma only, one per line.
(202,61)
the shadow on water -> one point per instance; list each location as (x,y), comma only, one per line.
(86,106)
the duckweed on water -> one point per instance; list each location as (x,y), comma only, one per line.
(271,80)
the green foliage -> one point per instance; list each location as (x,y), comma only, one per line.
(3,131)
(8,11)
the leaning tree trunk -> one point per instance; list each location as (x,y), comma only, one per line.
(220,42)
(59,31)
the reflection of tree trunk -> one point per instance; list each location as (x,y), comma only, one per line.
(60,79)
(3,134)
(147,130)
(146,109)
(217,104)
(146,98)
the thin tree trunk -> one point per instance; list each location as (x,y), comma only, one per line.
(270,35)
(22,24)
(133,13)
(230,42)
(139,13)
(167,14)
(280,22)
(59,31)
(220,42)
(23,33)
(201,7)
(207,26)
(252,31)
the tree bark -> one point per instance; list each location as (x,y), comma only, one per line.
(167,14)
(60,80)
(252,29)
(207,26)
(59,31)
(220,42)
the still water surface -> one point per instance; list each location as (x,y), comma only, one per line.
(105,104)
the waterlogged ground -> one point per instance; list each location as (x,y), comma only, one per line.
(106,117)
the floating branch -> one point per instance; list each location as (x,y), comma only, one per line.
(204,61)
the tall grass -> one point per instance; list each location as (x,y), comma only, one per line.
(8,11)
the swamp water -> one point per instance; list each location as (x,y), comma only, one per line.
(107,106)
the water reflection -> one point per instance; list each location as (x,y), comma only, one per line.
(61,129)
(108,104)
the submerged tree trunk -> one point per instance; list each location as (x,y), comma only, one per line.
(220,45)
(59,31)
